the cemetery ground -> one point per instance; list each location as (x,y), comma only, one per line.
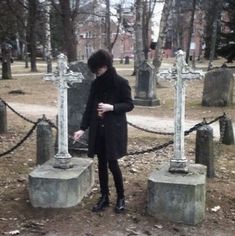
(17,214)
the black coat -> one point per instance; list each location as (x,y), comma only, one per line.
(112,89)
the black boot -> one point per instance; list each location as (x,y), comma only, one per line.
(120,206)
(101,204)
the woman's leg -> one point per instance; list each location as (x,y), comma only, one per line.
(117,176)
(103,179)
(103,174)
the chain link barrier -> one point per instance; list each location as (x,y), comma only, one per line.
(149,131)
(149,150)
(21,141)
(17,113)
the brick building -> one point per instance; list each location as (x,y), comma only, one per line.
(92,33)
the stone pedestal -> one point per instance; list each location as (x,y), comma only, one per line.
(51,187)
(177,197)
(146,102)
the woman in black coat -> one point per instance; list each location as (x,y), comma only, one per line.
(105,116)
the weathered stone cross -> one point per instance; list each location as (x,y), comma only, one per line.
(62,78)
(179,73)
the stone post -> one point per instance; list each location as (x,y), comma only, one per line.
(45,150)
(3,118)
(205,149)
(226,131)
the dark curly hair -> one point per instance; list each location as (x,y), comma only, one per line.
(99,59)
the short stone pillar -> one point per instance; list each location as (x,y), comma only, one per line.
(145,91)
(205,149)
(45,149)
(218,88)
(3,118)
(177,197)
(226,131)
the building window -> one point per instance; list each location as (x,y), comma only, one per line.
(89,50)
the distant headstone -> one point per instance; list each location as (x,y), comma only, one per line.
(218,88)
(127,60)
(77,98)
(145,92)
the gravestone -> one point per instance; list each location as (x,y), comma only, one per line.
(176,191)
(62,181)
(77,97)
(218,88)
(145,91)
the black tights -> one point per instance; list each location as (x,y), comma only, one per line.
(103,165)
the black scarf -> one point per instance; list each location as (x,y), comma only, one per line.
(106,84)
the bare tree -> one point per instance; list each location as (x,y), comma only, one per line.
(148,8)
(216,18)
(162,34)
(32,19)
(69,11)
(47,7)
(107,26)
(139,47)
(190,29)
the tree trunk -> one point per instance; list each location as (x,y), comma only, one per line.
(217,12)
(32,18)
(190,30)
(139,48)
(107,26)
(162,34)
(69,27)
(6,61)
(48,37)
(148,8)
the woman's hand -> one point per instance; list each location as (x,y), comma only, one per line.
(78,134)
(104,107)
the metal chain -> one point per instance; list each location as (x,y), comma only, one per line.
(149,131)
(17,113)
(21,141)
(187,132)
(195,127)
(151,149)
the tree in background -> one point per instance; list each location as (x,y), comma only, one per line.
(32,38)
(226,41)
(148,9)
(8,27)
(139,46)
(68,12)
(162,34)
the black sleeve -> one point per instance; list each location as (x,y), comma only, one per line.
(126,102)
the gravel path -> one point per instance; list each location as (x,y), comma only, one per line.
(160,124)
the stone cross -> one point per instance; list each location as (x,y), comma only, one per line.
(62,78)
(179,73)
